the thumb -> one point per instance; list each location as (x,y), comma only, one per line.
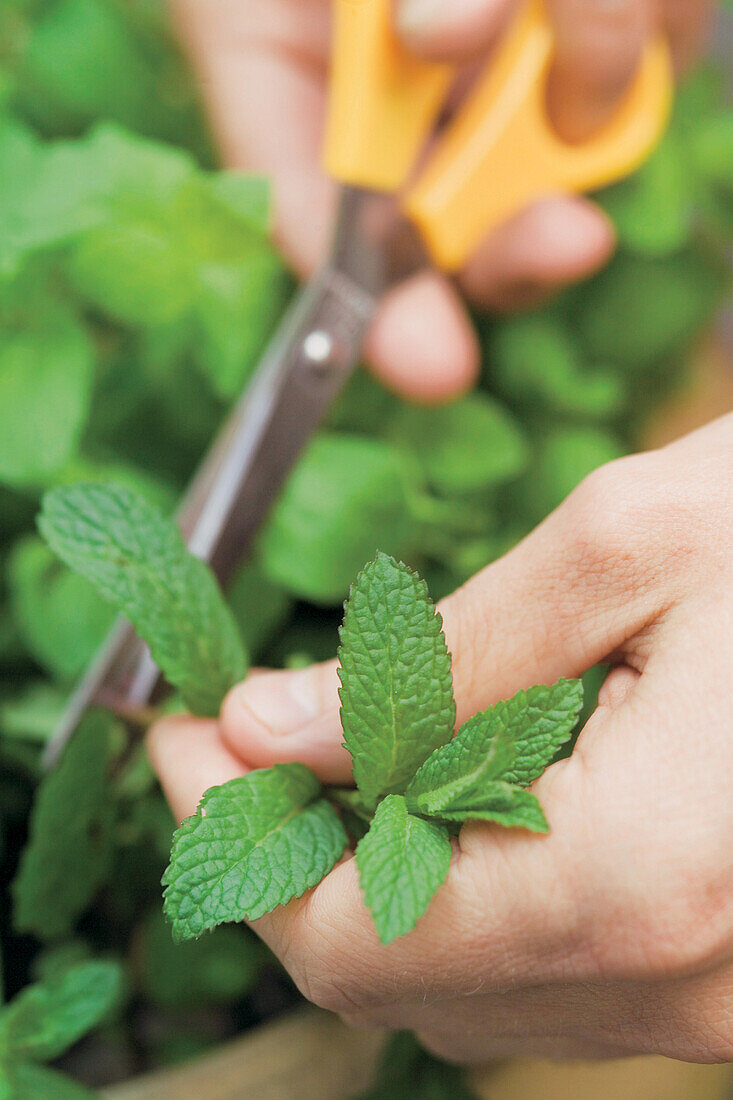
(568,596)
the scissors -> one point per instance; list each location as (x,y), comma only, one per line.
(496,155)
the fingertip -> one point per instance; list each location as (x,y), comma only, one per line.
(597,51)
(283,717)
(556,241)
(422,343)
(450,30)
(189,758)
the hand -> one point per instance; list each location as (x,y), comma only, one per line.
(263,66)
(613,935)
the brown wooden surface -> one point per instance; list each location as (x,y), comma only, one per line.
(632,1079)
(313,1056)
(309,1055)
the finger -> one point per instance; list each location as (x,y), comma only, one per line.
(686,24)
(329,944)
(279,717)
(559,603)
(422,342)
(452,30)
(189,757)
(599,44)
(553,242)
(617,687)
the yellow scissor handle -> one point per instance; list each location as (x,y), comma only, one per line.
(500,153)
(383,100)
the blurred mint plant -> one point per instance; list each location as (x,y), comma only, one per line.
(114,370)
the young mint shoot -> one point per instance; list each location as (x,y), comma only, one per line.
(260,841)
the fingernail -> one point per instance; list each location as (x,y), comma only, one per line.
(419,16)
(282,702)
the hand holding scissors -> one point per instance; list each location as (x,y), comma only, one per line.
(263,69)
(396,215)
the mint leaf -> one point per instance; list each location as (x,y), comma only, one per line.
(47,1018)
(260,608)
(347,498)
(535,358)
(69,850)
(46,374)
(247,197)
(253,844)
(504,804)
(513,741)
(539,722)
(396,686)
(220,967)
(653,209)
(638,310)
(712,149)
(237,306)
(32,714)
(455,776)
(29,1082)
(61,618)
(562,459)
(138,561)
(402,861)
(133,270)
(81,60)
(407,1072)
(467,445)
(42,199)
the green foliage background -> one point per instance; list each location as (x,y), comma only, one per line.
(137,289)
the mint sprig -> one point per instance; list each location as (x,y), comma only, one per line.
(260,841)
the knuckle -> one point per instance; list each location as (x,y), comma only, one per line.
(634,522)
(330,973)
(606,515)
(320,980)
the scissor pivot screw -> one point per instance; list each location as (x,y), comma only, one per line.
(318,349)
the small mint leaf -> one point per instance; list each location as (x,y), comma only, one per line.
(47,1018)
(455,777)
(396,687)
(253,844)
(138,561)
(539,722)
(403,860)
(506,805)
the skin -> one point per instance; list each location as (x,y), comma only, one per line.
(262,67)
(614,934)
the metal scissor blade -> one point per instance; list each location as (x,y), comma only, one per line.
(314,352)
